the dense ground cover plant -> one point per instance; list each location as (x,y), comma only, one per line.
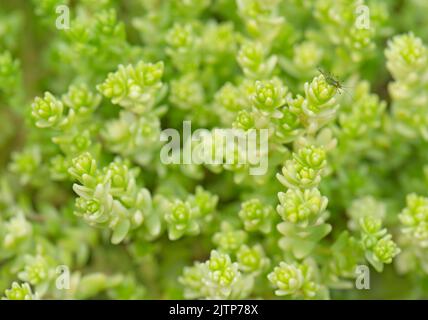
(88,209)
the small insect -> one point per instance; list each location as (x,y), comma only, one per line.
(332,80)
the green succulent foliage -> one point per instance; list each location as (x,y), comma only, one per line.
(187,93)
(182,43)
(16,231)
(256,216)
(367,215)
(47,111)
(133,136)
(134,88)
(216,278)
(229,239)
(379,247)
(252,259)
(254,61)
(109,198)
(294,280)
(81,100)
(10,76)
(181,220)
(305,169)
(189,216)
(269,95)
(89,209)
(301,207)
(407,60)
(414,219)
(19,292)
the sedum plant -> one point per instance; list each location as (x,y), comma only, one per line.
(330,185)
